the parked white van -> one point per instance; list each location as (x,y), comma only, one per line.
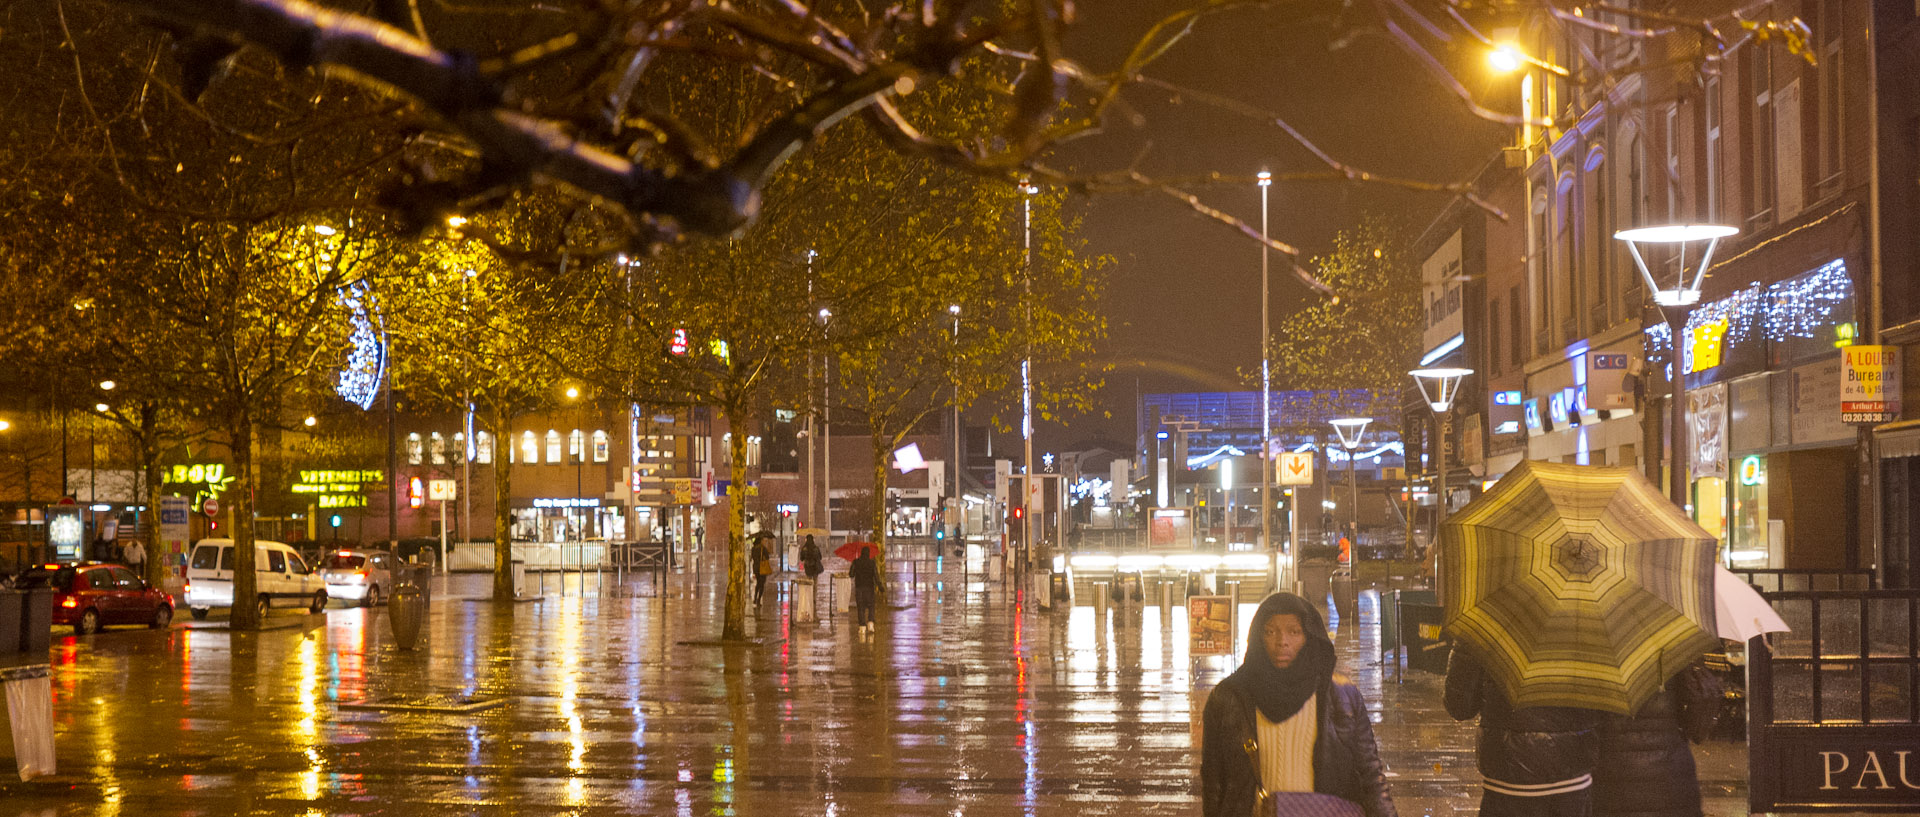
(281,578)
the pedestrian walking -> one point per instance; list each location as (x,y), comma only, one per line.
(136,554)
(1644,766)
(1535,761)
(810,558)
(1285,730)
(866,588)
(762,568)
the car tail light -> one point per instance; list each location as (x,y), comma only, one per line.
(69,602)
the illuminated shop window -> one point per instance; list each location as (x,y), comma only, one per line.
(600,446)
(413,449)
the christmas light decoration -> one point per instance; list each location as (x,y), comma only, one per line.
(1811,305)
(367,361)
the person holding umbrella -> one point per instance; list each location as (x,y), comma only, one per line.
(1535,761)
(810,558)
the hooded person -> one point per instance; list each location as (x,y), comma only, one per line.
(1285,721)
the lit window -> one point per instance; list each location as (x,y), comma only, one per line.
(437,449)
(576,445)
(413,449)
(600,446)
(483,448)
(529,448)
(553,446)
(459,448)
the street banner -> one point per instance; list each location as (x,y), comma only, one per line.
(1209,625)
(1869,384)
(1296,467)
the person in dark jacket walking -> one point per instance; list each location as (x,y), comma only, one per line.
(1285,721)
(866,586)
(810,558)
(1535,761)
(1645,768)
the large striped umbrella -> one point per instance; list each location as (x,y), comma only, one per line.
(1578,586)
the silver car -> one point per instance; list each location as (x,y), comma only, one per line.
(358,575)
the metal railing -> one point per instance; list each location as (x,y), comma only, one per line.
(1779,579)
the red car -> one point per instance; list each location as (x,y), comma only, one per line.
(91,595)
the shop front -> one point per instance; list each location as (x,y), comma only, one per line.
(569,519)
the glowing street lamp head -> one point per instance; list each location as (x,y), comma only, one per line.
(573,392)
(825,314)
(953,309)
(1506,58)
(100,407)
(1265,178)
(1351,430)
(311,421)
(1440,386)
(456,222)
(1676,233)
(322,229)
(107,385)
(4,425)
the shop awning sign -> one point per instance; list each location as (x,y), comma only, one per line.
(1869,384)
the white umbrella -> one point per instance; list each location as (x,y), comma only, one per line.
(1739,611)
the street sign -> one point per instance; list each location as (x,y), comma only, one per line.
(1869,384)
(210,506)
(1296,467)
(443,489)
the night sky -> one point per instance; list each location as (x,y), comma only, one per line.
(1184,298)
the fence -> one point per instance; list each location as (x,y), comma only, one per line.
(1777,580)
(1832,707)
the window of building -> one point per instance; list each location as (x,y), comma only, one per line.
(1594,274)
(1757,129)
(1560,283)
(461,451)
(1789,177)
(1494,349)
(1711,183)
(1630,196)
(553,447)
(600,446)
(483,447)
(1538,270)
(577,446)
(413,449)
(437,449)
(1830,128)
(1516,309)
(529,448)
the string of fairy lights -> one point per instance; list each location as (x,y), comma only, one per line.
(1804,307)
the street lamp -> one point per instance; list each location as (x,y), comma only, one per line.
(1027,485)
(1676,304)
(1440,386)
(825,317)
(1266,383)
(953,488)
(1352,431)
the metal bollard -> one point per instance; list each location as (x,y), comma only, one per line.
(407,611)
(1099,601)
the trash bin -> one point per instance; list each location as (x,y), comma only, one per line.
(519,579)
(1316,577)
(1346,599)
(9,622)
(1060,587)
(1100,599)
(842,592)
(36,620)
(406,613)
(996,567)
(803,592)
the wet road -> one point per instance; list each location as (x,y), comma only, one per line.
(606,703)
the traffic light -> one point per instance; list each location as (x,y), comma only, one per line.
(939,534)
(334,520)
(1019,513)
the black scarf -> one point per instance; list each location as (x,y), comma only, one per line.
(1279,693)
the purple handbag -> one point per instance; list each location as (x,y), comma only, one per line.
(1298,803)
(1311,804)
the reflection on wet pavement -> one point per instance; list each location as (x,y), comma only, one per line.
(963,702)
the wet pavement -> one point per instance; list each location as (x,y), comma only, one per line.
(606,702)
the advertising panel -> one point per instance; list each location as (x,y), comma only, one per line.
(1209,625)
(1869,384)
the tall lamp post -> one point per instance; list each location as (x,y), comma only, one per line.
(953,487)
(1027,486)
(1676,304)
(1440,386)
(1266,382)
(1352,431)
(825,316)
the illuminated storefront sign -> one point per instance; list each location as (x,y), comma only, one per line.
(566,502)
(1751,472)
(338,489)
(207,479)
(1706,345)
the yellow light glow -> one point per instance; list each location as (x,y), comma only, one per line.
(572,392)
(107,385)
(456,221)
(1505,58)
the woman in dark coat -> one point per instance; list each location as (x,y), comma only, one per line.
(1319,738)
(1534,762)
(1645,768)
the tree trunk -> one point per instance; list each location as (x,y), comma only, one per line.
(881,449)
(157,564)
(246,585)
(502,507)
(735,626)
